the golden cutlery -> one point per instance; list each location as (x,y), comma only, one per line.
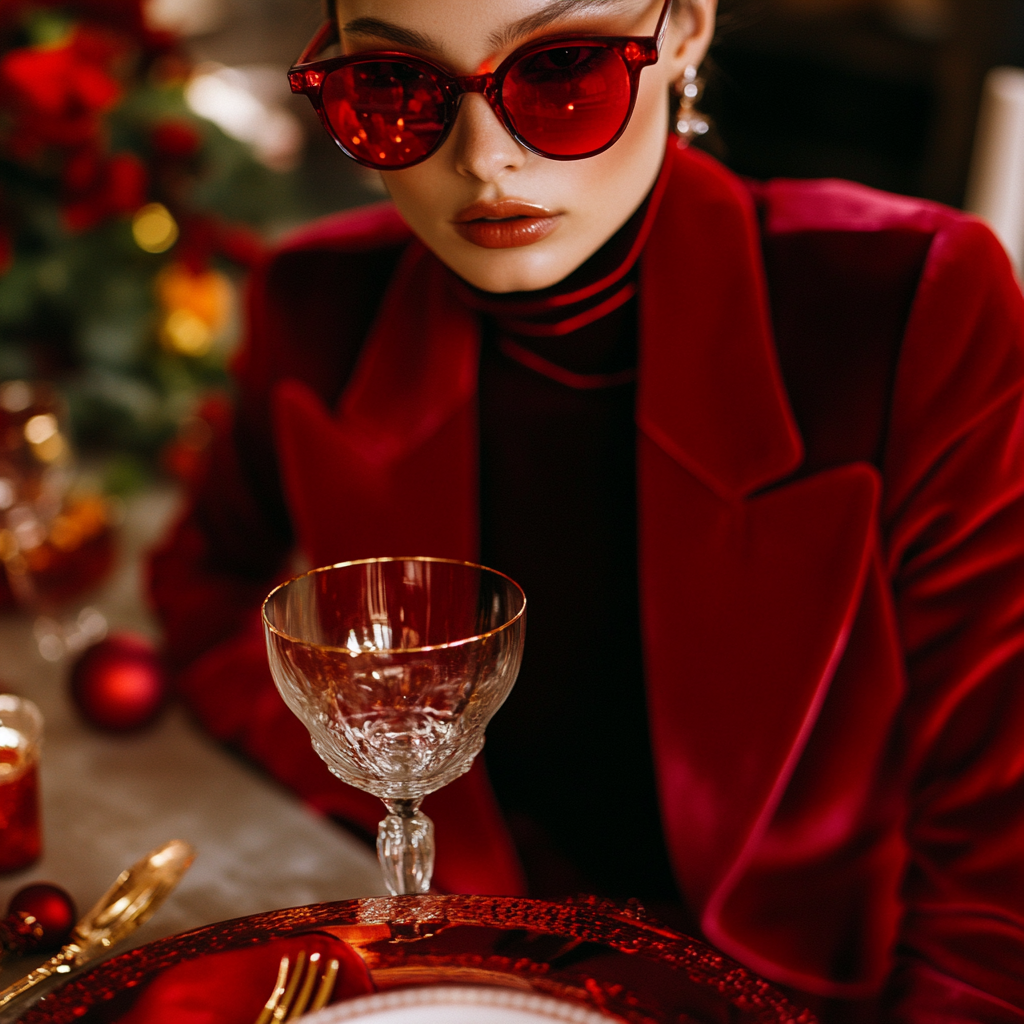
(128,903)
(292,993)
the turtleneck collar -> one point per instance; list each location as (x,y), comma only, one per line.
(604,283)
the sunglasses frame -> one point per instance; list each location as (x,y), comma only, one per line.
(308,75)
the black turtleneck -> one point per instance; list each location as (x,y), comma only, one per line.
(569,753)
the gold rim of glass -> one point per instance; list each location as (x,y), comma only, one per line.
(392,650)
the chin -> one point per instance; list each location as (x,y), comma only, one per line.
(512,270)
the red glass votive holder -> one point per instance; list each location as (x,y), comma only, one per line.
(21,733)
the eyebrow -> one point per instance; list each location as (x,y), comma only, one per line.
(498,40)
(535,22)
(391,32)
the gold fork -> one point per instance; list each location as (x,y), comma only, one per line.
(293,991)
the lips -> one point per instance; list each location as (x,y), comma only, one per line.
(506,224)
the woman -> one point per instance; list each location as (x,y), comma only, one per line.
(754,452)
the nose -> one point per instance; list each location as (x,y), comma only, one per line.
(483,148)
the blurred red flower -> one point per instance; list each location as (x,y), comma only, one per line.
(98,187)
(58,94)
(175,139)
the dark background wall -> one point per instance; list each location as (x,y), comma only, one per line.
(884,93)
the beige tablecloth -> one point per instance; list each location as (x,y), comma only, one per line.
(109,800)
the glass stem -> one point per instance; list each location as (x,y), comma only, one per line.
(405,848)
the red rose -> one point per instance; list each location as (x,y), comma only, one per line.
(57,95)
(126,184)
(98,187)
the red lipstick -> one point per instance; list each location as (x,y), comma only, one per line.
(506,224)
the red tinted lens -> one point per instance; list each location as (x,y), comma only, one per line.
(385,113)
(568,100)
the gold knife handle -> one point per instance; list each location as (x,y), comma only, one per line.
(61,963)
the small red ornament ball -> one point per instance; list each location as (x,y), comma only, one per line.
(52,907)
(119,684)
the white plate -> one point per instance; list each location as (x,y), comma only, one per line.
(458,1004)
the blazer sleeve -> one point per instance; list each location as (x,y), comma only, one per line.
(954,525)
(234,541)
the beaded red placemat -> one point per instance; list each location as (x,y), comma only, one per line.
(588,951)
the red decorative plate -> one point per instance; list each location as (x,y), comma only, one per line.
(586,951)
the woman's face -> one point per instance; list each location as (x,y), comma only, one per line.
(501,217)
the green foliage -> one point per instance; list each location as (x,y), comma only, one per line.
(80,306)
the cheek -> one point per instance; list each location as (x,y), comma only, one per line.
(651,114)
(420,192)
(624,174)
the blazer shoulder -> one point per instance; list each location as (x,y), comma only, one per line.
(330,275)
(360,230)
(875,236)
(848,238)
(829,205)
(848,234)
(313,302)
(847,266)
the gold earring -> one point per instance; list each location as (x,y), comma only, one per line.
(690,123)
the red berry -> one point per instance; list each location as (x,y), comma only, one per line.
(52,907)
(119,684)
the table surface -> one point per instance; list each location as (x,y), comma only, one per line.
(108,800)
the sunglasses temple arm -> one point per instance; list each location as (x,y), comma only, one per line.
(325,36)
(662,29)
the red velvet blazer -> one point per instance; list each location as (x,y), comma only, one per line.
(831,523)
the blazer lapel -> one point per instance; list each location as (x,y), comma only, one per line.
(394,470)
(710,390)
(749,592)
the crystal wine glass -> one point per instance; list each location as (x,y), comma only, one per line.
(395,666)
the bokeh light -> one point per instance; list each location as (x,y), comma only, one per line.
(154,229)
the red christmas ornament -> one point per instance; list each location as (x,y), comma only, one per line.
(119,684)
(39,917)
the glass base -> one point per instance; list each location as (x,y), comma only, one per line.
(405,848)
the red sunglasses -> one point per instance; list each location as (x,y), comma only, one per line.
(564,97)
